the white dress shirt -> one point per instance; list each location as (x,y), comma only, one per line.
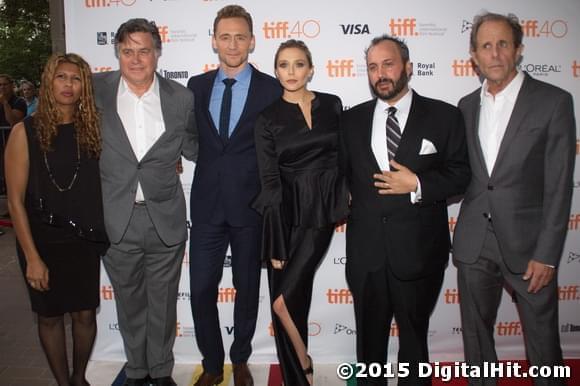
(379,132)
(142,119)
(495,113)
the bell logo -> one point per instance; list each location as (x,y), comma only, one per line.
(339,296)
(576,69)
(451,296)
(463,68)
(509,328)
(568,292)
(573,222)
(340,68)
(403,27)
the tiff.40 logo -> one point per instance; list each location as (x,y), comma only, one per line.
(309,29)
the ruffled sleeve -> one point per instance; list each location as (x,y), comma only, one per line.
(269,202)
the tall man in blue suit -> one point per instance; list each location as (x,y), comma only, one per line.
(227,103)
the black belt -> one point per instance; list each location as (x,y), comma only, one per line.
(140,203)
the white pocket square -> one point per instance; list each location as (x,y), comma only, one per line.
(427,147)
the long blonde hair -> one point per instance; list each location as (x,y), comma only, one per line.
(86,118)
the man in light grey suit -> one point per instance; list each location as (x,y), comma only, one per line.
(513,221)
(147,124)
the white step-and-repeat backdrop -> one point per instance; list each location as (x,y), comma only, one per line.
(337,33)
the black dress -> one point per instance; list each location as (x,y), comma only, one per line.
(67,227)
(303,195)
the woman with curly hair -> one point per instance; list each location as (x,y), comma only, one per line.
(54,199)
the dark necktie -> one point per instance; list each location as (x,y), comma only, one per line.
(393,133)
(226,109)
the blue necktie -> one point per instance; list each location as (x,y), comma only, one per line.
(226,109)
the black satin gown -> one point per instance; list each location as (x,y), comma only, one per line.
(303,196)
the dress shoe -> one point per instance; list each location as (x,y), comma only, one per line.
(242,375)
(208,379)
(163,381)
(136,382)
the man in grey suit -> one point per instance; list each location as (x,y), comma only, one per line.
(513,221)
(147,124)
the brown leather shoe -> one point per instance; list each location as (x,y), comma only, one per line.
(242,375)
(208,379)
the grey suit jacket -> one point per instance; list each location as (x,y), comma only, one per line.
(156,171)
(528,193)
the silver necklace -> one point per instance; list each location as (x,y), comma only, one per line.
(78,166)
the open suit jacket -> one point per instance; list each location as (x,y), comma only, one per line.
(413,239)
(529,190)
(226,174)
(120,169)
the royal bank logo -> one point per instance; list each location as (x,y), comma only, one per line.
(424,69)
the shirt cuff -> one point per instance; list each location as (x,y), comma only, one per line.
(416,195)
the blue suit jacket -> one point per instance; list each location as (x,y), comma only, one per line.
(226,174)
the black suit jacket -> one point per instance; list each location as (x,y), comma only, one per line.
(226,174)
(413,239)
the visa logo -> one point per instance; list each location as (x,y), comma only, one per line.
(355,29)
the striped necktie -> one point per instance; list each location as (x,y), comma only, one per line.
(393,133)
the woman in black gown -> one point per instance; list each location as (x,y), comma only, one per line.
(55,204)
(303,196)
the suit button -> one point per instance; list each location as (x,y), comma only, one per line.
(487,216)
(384,220)
(490,187)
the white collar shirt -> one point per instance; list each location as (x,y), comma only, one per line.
(494,116)
(142,119)
(379,132)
